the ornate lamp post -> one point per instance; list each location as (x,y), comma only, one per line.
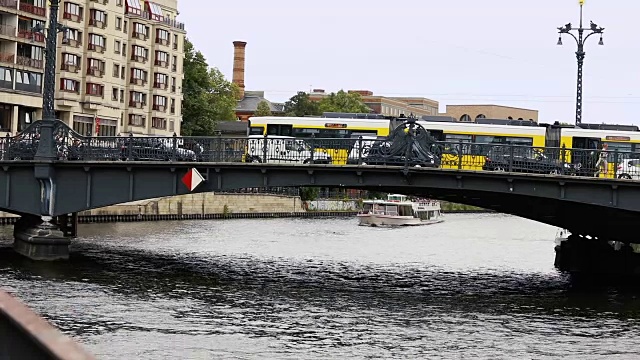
(46,149)
(580,54)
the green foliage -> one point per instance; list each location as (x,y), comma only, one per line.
(263,109)
(309,193)
(343,101)
(208,96)
(300,105)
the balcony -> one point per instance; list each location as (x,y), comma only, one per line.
(30,35)
(97,23)
(161,63)
(169,22)
(7,58)
(173,110)
(94,71)
(66,98)
(96,48)
(74,68)
(140,36)
(162,41)
(137,104)
(136,81)
(32,9)
(73,43)
(160,108)
(32,63)
(7,30)
(11,4)
(72,17)
(159,85)
(173,88)
(137,58)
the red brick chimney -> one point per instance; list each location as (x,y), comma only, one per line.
(238,65)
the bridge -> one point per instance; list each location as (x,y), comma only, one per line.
(46,180)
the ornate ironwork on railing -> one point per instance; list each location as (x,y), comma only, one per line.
(409,145)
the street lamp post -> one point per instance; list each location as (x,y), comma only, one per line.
(46,149)
(580,54)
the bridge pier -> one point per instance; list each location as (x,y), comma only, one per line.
(581,255)
(40,240)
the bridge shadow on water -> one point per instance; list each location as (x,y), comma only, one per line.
(406,288)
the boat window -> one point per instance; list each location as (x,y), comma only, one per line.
(391,210)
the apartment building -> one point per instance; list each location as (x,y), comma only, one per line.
(118,71)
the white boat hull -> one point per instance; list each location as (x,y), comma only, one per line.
(392,220)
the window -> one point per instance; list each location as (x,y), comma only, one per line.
(134,7)
(138,53)
(122,72)
(124,49)
(69,85)
(138,76)
(121,95)
(73,38)
(158,123)
(124,26)
(155,11)
(96,42)
(116,70)
(162,37)
(173,84)
(160,81)
(171,125)
(173,106)
(98,18)
(114,94)
(94,89)
(6,78)
(159,103)
(175,63)
(140,31)
(72,12)
(137,99)
(175,41)
(70,62)
(136,120)
(162,59)
(118,23)
(95,67)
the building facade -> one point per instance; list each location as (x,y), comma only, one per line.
(469,113)
(389,106)
(119,66)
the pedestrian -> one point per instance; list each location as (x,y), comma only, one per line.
(601,164)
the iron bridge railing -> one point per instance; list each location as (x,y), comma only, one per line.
(405,148)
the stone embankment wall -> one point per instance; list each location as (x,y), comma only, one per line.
(211,206)
(205,203)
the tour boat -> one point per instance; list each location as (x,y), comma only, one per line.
(398,210)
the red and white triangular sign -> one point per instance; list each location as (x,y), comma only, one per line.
(192,179)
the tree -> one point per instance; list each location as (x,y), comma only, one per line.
(343,102)
(208,96)
(263,109)
(300,105)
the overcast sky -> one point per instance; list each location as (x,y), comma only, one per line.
(453,51)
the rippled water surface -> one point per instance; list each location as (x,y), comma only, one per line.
(475,286)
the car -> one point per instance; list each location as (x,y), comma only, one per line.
(283,149)
(527,160)
(629,169)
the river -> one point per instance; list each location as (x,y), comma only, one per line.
(478,286)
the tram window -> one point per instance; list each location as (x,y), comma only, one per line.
(519,141)
(304,133)
(256,130)
(456,137)
(621,147)
(282,130)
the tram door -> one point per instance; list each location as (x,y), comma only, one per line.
(585,151)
